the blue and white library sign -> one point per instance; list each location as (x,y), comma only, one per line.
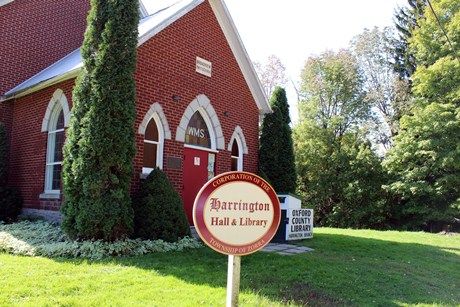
(297,223)
(300,224)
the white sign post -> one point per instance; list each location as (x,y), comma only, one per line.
(236,214)
(233,280)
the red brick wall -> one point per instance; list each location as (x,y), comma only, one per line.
(35,34)
(166,67)
(28,144)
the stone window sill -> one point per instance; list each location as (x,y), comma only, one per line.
(144,175)
(50,196)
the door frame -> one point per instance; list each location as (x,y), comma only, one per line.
(201,148)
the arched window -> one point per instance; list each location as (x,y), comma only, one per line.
(237,156)
(56,137)
(197,133)
(237,146)
(153,145)
(203,106)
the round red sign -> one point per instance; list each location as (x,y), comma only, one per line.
(236,213)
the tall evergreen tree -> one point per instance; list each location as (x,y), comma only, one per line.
(276,147)
(405,22)
(100,140)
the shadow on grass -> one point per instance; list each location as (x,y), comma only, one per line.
(343,270)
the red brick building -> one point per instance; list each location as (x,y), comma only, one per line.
(198,97)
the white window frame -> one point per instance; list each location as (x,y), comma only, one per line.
(159,143)
(50,150)
(239,164)
(5,2)
(142,10)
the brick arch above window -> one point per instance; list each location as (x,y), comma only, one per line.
(202,104)
(158,110)
(58,98)
(238,134)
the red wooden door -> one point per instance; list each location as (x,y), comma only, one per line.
(195,176)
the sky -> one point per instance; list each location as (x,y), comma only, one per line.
(294,30)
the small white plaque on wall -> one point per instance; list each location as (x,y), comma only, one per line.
(203,67)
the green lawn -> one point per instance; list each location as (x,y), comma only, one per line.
(348,267)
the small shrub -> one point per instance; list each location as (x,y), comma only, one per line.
(10,204)
(41,238)
(158,210)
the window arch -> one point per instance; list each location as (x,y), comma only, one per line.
(57,99)
(57,117)
(238,134)
(237,146)
(155,129)
(237,156)
(56,138)
(153,145)
(198,132)
(203,105)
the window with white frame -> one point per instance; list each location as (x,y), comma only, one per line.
(237,157)
(56,138)
(153,146)
(5,2)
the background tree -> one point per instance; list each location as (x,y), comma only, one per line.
(425,161)
(100,147)
(406,20)
(340,179)
(374,51)
(425,165)
(339,175)
(276,156)
(333,92)
(271,74)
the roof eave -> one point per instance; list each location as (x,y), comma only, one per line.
(228,27)
(73,73)
(166,23)
(44,84)
(231,33)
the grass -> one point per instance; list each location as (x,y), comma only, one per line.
(348,267)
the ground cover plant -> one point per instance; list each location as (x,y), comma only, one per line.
(44,239)
(348,267)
